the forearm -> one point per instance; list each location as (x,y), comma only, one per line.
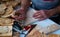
(57,9)
(25,4)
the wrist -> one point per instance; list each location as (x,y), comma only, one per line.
(24,9)
(21,8)
(58,9)
(54,11)
(51,12)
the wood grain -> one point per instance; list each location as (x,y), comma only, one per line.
(36,33)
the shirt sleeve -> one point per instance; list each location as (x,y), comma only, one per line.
(59,2)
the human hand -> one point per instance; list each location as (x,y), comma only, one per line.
(19,15)
(43,14)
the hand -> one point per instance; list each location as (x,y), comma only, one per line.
(43,14)
(19,15)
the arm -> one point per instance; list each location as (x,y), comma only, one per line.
(20,14)
(58,9)
(43,14)
(25,4)
(55,10)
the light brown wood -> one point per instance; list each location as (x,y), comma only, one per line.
(5,36)
(34,33)
(6,22)
(9,32)
(53,35)
(16,34)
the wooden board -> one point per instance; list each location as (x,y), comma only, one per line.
(5,36)
(16,34)
(34,31)
(9,32)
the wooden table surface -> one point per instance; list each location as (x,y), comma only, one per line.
(44,35)
(5,36)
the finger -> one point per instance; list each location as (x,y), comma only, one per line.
(14,17)
(43,13)
(40,19)
(36,14)
(21,17)
(39,16)
(17,17)
(21,11)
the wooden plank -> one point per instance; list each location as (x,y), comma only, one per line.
(9,32)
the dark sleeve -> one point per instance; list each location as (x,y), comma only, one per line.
(59,2)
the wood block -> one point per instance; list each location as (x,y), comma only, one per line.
(34,33)
(16,34)
(3,31)
(53,35)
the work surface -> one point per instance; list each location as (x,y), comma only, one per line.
(43,23)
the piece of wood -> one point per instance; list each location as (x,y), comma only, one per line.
(34,33)
(53,35)
(16,34)
(9,33)
(6,22)
(5,36)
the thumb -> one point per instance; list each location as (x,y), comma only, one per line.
(43,13)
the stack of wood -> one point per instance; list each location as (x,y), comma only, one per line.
(7,10)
